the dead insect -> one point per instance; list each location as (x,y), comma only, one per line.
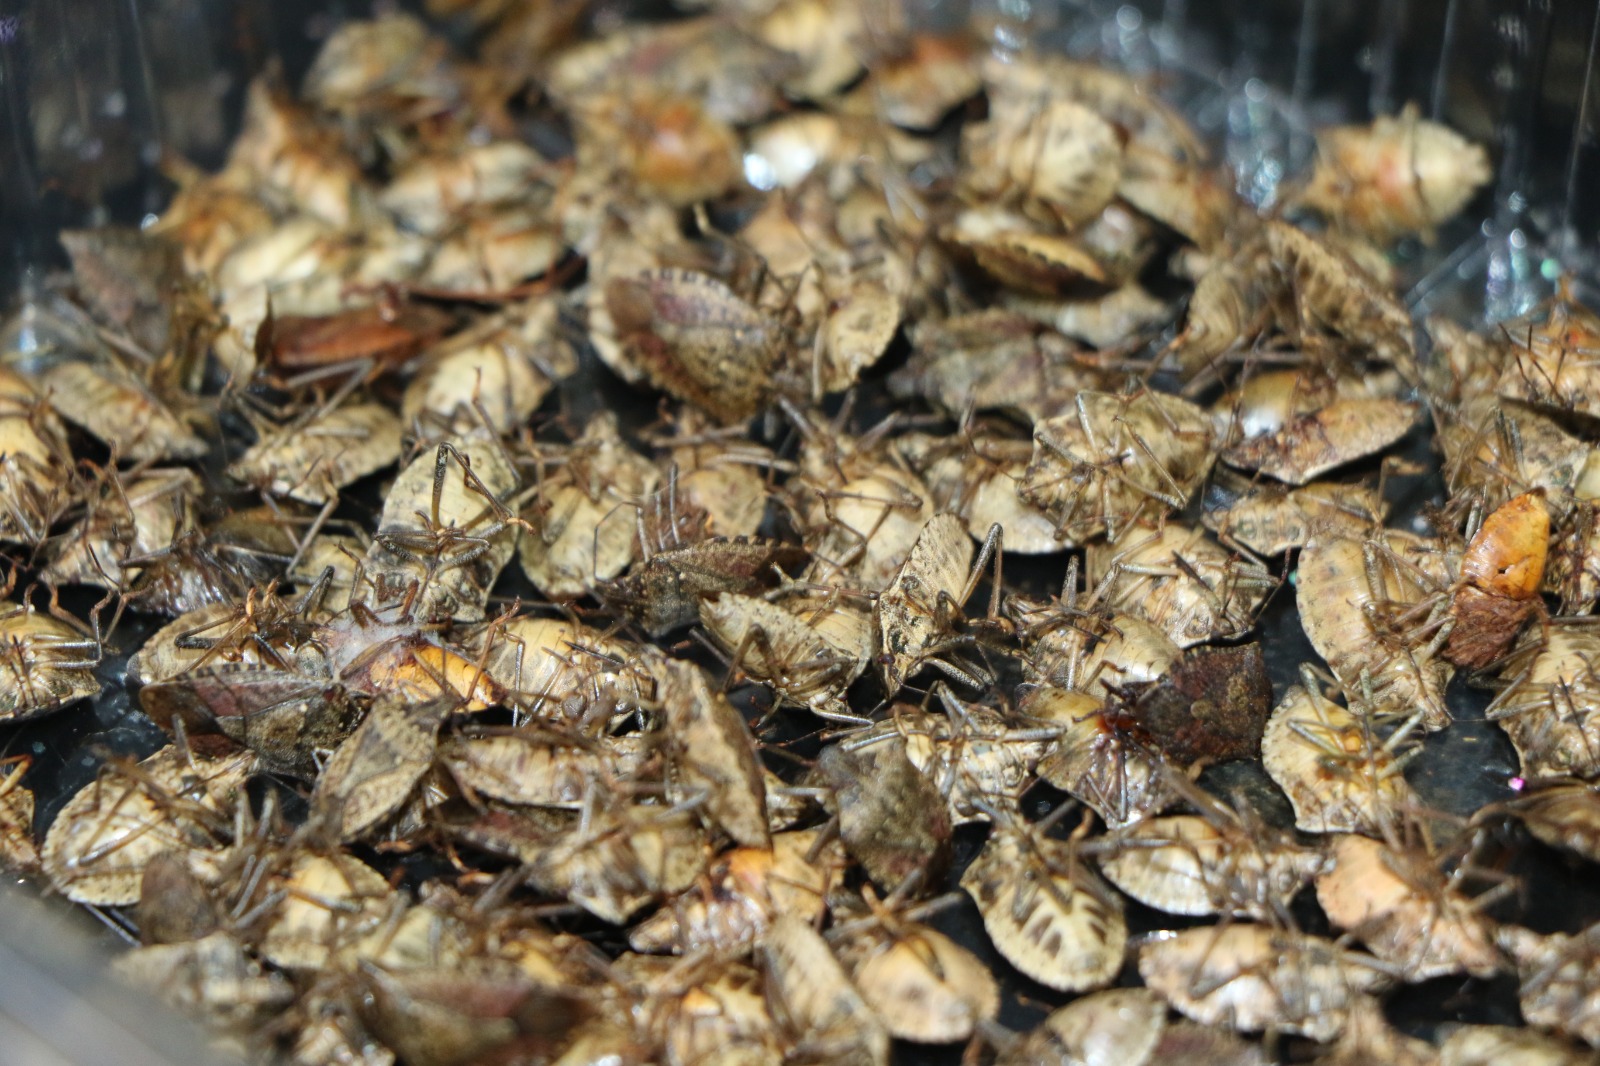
(1338,772)
(927,988)
(979,759)
(17,852)
(1047,912)
(1485,1045)
(446,532)
(892,818)
(713,755)
(695,338)
(1400,175)
(1311,445)
(118,408)
(977,475)
(1406,910)
(665,590)
(1547,708)
(211,979)
(820,1006)
(322,903)
(1502,571)
(372,773)
(98,847)
(1562,812)
(1215,863)
(1116,459)
(140,517)
(1211,706)
(808,648)
(584,526)
(1180,580)
(1354,596)
(916,615)
(1558,976)
(1270,521)
(1096,760)
(1251,977)
(38,466)
(45,662)
(744,891)
(1117,1027)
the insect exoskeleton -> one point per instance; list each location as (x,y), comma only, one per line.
(1502,571)
(1560,975)
(1115,459)
(1180,580)
(17,851)
(495,373)
(664,590)
(326,901)
(432,191)
(1562,812)
(211,979)
(553,668)
(312,458)
(1269,520)
(819,1007)
(138,517)
(712,1010)
(38,467)
(1214,864)
(1548,705)
(1548,362)
(1096,760)
(1330,437)
(1397,176)
(1253,977)
(1339,772)
(1055,158)
(123,411)
(745,890)
(809,648)
(584,527)
(1074,647)
(924,986)
(977,475)
(1047,912)
(1333,296)
(98,846)
(1405,909)
(978,757)
(373,772)
(1117,1027)
(446,531)
(916,614)
(712,753)
(1369,611)
(892,818)
(45,663)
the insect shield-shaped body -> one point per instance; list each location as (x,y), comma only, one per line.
(1271,520)
(1549,708)
(1114,459)
(1097,759)
(1047,912)
(139,517)
(123,411)
(1398,176)
(916,614)
(892,818)
(1405,910)
(372,773)
(976,475)
(808,648)
(584,526)
(1313,444)
(1118,1027)
(1339,773)
(714,755)
(694,338)
(820,1007)
(446,531)
(45,663)
(98,847)
(1560,977)
(1501,574)
(924,986)
(311,459)
(743,892)
(1251,978)
(1181,581)
(1214,864)
(665,591)
(1354,596)
(38,466)
(1563,813)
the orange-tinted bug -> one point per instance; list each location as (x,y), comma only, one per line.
(1501,573)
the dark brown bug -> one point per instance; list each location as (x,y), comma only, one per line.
(664,591)
(1211,706)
